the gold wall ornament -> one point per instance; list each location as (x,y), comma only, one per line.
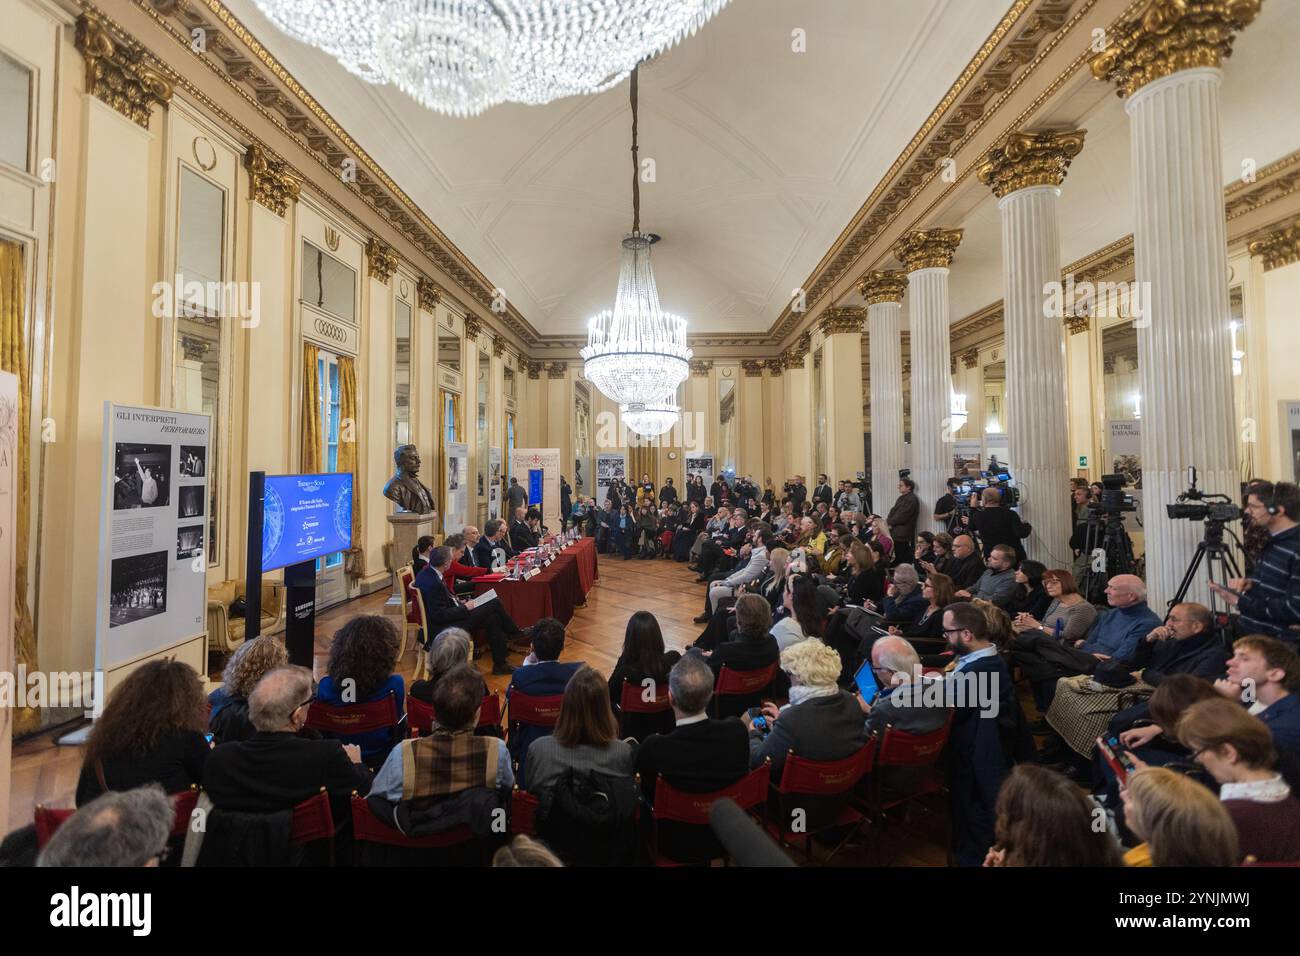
(498,346)
(380,259)
(907,366)
(205,154)
(534,369)
(774,367)
(1166,37)
(271,184)
(557,370)
(429,294)
(927,248)
(473,327)
(970,358)
(840,320)
(1078,323)
(116,72)
(1281,247)
(883,285)
(1024,159)
(701,367)
(332,238)
(753,367)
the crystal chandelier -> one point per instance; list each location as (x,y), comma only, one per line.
(464,56)
(649,421)
(636,353)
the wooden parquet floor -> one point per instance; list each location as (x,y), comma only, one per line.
(46,773)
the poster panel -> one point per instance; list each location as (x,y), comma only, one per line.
(539,470)
(1125,448)
(152,588)
(1290,414)
(456,488)
(494,483)
(609,465)
(700,464)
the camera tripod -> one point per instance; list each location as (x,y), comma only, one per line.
(1106,532)
(1220,564)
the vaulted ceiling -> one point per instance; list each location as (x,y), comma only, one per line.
(762,154)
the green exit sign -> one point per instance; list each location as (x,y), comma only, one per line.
(1083,461)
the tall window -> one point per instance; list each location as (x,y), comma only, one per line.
(327,373)
(402,373)
(450,405)
(15,112)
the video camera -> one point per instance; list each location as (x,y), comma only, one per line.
(1000,480)
(1196,505)
(1114,500)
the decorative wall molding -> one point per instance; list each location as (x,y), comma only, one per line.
(1165,37)
(118,72)
(428,293)
(381,260)
(1278,247)
(1024,159)
(270,182)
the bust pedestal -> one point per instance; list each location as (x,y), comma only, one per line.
(407,527)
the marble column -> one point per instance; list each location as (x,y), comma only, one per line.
(842,392)
(926,256)
(1025,172)
(883,292)
(797,389)
(1166,67)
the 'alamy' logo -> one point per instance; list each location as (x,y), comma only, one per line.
(103,909)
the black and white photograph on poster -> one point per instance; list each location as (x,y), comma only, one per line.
(142,476)
(137,588)
(189,541)
(194,461)
(453,474)
(191,501)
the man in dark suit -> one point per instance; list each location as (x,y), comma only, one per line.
(989,731)
(753,646)
(701,755)
(522,537)
(902,519)
(542,675)
(823,491)
(494,537)
(444,609)
(965,565)
(997,525)
(276,769)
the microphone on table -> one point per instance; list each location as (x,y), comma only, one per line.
(743,839)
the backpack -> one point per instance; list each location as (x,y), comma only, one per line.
(589,818)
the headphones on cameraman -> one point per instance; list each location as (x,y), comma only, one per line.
(1271,505)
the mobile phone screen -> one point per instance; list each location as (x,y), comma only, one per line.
(1107,754)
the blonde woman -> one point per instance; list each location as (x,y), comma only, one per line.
(821,722)
(228,719)
(1180,821)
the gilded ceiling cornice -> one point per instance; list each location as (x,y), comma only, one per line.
(1024,159)
(118,70)
(1278,247)
(1165,37)
(883,285)
(273,186)
(245,65)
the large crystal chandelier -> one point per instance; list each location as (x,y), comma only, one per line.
(464,56)
(636,353)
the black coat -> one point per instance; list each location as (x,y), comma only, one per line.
(522,537)
(999,526)
(1201,656)
(277,771)
(821,728)
(175,762)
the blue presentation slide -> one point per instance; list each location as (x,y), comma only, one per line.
(305,517)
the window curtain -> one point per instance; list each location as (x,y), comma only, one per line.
(641,455)
(349,442)
(455,417)
(312,438)
(13,358)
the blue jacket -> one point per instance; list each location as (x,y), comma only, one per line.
(1283,719)
(1118,631)
(543,679)
(1272,604)
(374,744)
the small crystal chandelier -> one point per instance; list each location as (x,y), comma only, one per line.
(465,56)
(636,353)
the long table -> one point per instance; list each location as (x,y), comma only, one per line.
(555,591)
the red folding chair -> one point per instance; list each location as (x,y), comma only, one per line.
(48,820)
(523,812)
(313,820)
(643,713)
(735,683)
(671,804)
(353,719)
(524,708)
(420,716)
(901,749)
(829,784)
(367,828)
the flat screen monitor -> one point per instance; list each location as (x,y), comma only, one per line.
(305,517)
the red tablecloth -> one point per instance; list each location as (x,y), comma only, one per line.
(554,592)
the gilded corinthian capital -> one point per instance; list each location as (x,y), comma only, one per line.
(272,185)
(381,260)
(1025,159)
(1278,248)
(927,248)
(837,320)
(1165,37)
(118,73)
(886,285)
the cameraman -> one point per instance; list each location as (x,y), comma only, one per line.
(1269,601)
(945,509)
(996,525)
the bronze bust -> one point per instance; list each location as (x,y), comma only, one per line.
(405,487)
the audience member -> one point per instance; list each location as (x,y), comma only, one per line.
(1030,596)
(1269,600)
(543,675)
(118,829)
(585,739)
(524,850)
(938,594)
(1180,822)
(452,647)
(904,600)
(444,609)
(902,518)
(997,584)
(1043,819)
(802,619)
(151,731)
(644,664)
(363,656)
(1264,673)
(228,717)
